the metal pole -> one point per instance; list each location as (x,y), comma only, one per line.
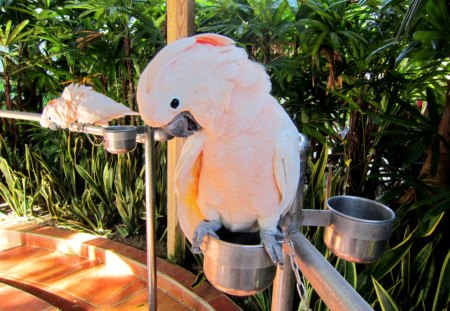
(150,215)
(22,115)
(283,284)
(283,287)
(31,116)
(334,290)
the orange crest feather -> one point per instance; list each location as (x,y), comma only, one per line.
(213,39)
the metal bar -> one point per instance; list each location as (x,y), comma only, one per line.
(22,115)
(312,217)
(334,290)
(159,134)
(283,287)
(150,215)
(283,284)
(31,116)
(86,128)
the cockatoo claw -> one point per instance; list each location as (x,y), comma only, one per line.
(270,240)
(204,228)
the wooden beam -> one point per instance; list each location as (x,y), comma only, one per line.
(180,24)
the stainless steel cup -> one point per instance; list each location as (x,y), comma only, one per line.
(120,138)
(358,229)
(237,269)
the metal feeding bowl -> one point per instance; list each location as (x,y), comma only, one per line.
(359,228)
(237,264)
(119,139)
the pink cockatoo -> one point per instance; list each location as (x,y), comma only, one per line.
(240,166)
(80,103)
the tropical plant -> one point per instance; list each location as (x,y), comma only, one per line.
(23,180)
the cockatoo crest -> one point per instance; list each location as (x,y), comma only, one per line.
(213,39)
(210,66)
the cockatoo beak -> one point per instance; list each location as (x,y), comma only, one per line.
(183,125)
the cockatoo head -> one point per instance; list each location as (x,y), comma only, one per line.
(63,110)
(189,84)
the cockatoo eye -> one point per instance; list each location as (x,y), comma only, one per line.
(175,103)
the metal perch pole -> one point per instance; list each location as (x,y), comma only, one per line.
(150,214)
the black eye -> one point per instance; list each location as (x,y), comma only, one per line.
(174,103)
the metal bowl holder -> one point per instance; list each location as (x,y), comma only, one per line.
(120,139)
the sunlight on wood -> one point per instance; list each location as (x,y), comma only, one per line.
(180,24)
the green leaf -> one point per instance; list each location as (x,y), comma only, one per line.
(429,226)
(385,300)
(430,35)
(15,33)
(318,43)
(392,257)
(442,297)
(419,263)
(312,23)
(411,16)
(348,269)
(279,12)
(94,186)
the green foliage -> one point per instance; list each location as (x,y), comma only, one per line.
(23,179)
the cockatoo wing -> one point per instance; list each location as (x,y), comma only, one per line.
(187,175)
(286,167)
(96,108)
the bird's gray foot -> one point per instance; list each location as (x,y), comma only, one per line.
(204,228)
(270,240)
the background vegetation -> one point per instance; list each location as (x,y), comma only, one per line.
(367,81)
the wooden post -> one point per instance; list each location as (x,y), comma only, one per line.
(180,24)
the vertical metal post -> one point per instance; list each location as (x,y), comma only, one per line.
(150,215)
(283,284)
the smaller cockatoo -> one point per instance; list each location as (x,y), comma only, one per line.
(80,103)
(240,165)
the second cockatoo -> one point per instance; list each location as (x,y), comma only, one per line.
(80,103)
(240,166)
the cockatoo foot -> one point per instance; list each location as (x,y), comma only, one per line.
(204,228)
(270,240)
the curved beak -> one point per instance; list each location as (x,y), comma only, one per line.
(183,125)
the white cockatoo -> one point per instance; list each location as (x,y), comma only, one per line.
(240,166)
(80,103)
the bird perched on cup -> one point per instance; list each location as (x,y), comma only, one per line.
(239,167)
